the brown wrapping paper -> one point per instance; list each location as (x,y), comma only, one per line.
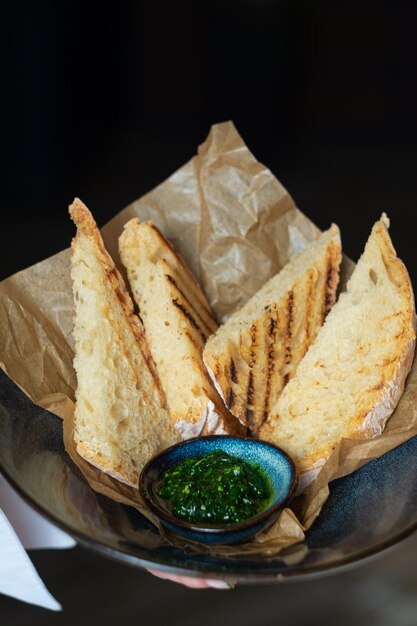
(236,226)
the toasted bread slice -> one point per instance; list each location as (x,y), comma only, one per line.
(352,377)
(121,419)
(254,354)
(177,320)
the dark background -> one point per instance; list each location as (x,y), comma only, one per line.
(105,100)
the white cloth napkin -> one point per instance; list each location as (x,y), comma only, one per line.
(23,528)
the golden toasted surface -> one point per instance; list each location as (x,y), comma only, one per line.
(256,352)
(177,320)
(120,416)
(353,375)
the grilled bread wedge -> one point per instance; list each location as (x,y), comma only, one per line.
(177,320)
(254,354)
(352,377)
(121,419)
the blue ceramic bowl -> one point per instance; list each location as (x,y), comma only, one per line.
(275,463)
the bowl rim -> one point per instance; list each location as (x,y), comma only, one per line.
(216,528)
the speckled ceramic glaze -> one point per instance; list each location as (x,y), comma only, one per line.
(276,465)
(367,511)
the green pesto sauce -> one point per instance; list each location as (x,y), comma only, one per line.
(216,488)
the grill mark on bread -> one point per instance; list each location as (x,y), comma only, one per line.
(202,325)
(249,418)
(119,289)
(216,370)
(196,361)
(136,326)
(230,398)
(249,413)
(231,374)
(186,307)
(249,399)
(309,304)
(233,371)
(181,307)
(188,290)
(388,361)
(377,387)
(178,257)
(218,375)
(271,336)
(288,354)
(329,286)
(192,339)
